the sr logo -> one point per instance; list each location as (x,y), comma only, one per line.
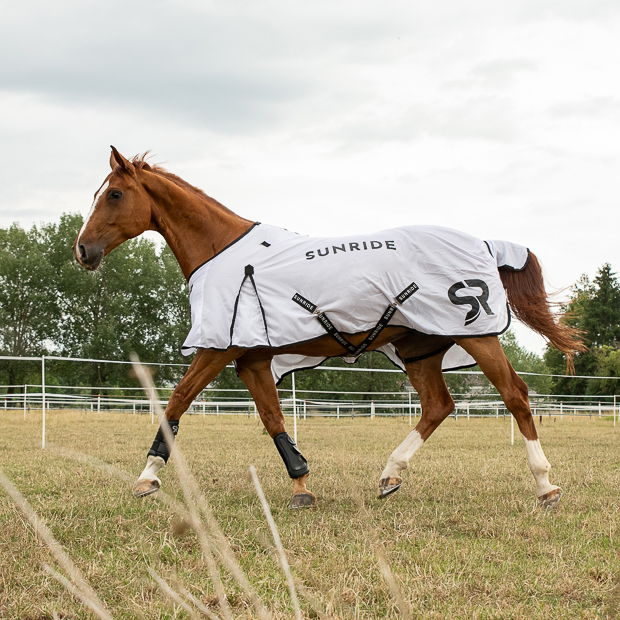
(468,300)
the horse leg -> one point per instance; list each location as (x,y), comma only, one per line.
(205,366)
(490,356)
(427,379)
(256,373)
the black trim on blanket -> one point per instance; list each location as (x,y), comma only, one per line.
(249,273)
(281,350)
(224,248)
(509,267)
(290,372)
(409,360)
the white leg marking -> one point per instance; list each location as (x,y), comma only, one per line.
(539,466)
(92,209)
(399,459)
(153,465)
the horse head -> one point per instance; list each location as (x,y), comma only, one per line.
(121,210)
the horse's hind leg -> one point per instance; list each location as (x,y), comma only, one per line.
(205,366)
(513,390)
(255,371)
(427,379)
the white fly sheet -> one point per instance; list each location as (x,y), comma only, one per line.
(274,288)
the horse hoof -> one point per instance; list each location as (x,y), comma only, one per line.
(146,487)
(302,500)
(550,500)
(387,486)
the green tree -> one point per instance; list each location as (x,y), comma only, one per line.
(136,301)
(594,308)
(524,361)
(29,302)
(607,365)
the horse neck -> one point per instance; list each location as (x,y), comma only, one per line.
(195,226)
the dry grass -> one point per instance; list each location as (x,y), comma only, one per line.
(461,538)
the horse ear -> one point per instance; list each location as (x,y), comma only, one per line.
(116,159)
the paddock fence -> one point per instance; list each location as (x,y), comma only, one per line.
(304,403)
(308,405)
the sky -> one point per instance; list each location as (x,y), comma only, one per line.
(329,118)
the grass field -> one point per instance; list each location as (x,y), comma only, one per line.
(461,537)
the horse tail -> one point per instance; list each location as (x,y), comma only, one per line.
(530,304)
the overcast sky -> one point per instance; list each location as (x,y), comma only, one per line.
(501,119)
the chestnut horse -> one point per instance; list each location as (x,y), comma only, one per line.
(136,197)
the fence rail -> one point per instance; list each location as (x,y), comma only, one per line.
(224,404)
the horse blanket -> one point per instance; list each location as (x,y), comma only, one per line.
(274,288)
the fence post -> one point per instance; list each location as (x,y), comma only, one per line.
(98,403)
(372,409)
(599,409)
(43,400)
(561,410)
(468,410)
(304,409)
(294,407)
(26,398)
(409,408)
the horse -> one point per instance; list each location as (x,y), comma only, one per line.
(137,196)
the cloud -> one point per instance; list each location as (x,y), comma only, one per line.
(501,72)
(593,107)
(192,67)
(487,118)
(229,70)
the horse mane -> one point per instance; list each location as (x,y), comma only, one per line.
(139,161)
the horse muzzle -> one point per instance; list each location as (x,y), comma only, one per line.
(88,255)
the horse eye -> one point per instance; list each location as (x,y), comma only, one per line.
(115,194)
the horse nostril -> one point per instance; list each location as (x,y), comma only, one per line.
(82,251)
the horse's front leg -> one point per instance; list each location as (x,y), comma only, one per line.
(255,371)
(205,366)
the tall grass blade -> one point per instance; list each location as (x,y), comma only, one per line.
(82,590)
(174,596)
(276,538)
(386,571)
(193,496)
(75,591)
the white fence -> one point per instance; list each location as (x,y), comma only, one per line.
(337,405)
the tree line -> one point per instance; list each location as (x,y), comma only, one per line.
(138,301)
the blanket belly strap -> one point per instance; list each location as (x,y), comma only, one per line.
(330,328)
